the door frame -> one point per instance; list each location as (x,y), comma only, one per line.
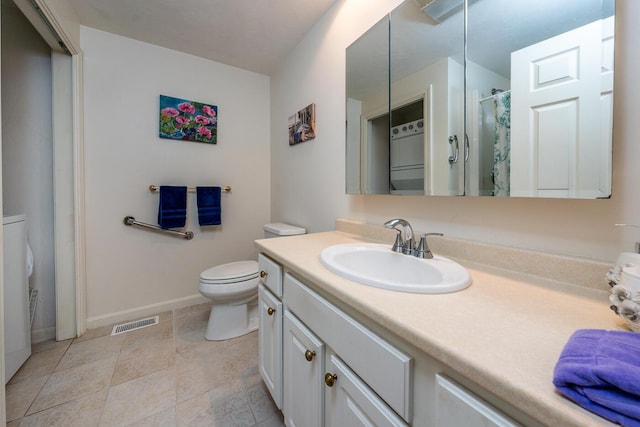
(69,196)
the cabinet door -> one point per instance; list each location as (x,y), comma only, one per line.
(270,343)
(303,376)
(457,406)
(350,402)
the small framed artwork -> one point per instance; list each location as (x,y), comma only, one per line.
(302,125)
(188,120)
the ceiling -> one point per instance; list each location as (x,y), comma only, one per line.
(256,35)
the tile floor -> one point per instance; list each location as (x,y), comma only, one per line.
(162,375)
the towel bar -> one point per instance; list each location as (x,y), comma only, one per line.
(154,188)
(129,220)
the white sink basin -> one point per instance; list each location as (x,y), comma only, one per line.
(377,265)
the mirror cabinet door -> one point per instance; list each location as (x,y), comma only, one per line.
(367,106)
(539,81)
(427,98)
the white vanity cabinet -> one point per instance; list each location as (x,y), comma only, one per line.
(270,315)
(325,368)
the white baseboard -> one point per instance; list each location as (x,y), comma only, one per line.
(44,334)
(147,310)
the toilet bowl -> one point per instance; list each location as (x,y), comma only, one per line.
(233,290)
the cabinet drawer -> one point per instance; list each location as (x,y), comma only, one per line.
(457,406)
(350,402)
(270,274)
(387,370)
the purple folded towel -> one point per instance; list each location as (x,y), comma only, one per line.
(600,371)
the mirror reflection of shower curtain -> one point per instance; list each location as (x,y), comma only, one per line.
(502,144)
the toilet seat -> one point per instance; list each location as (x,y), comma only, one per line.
(233,272)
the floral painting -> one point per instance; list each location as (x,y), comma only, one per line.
(302,125)
(188,120)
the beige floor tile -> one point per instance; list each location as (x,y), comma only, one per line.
(250,377)
(65,386)
(14,423)
(142,361)
(94,333)
(19,396)
(245,354)
(189,311)
(161,333)
(39,364)
(83,412)
(246,337)
(197,376)
(195,412)
(195,346)
(276,420)
(193,321)
(138,399)
(261,404)
(80,353)
(166,418)
(216,408)
(50,345)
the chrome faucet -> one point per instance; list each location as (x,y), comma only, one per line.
(404,245)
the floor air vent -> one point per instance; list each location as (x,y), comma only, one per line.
(132,326)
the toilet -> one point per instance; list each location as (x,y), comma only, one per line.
(233,290)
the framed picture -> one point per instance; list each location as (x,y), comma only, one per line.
(188,120)
(302,125)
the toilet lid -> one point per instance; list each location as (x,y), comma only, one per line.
(235,271)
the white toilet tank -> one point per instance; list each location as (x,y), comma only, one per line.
(279,229)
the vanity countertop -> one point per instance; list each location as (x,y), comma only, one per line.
(505,332)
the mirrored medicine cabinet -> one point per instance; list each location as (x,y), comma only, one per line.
(483,98)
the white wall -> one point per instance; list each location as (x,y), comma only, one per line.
(129,268)
(308,179)
(27,163)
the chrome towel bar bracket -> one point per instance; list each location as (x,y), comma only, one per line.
(129,220)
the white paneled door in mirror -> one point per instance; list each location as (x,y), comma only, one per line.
(539,98)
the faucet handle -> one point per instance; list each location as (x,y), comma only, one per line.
(397,246)
(422,250)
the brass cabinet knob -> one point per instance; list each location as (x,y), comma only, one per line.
(263,274)
(270,311)
(330,379)
(309,355)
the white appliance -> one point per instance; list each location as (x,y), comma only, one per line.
(406,158)
(17,321)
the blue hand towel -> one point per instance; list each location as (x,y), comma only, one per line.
(600,371)
(209,205)
(172,208)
